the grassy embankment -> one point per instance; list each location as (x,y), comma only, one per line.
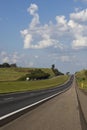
(82,79)
(8,83)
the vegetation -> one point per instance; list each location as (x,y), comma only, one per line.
(82,79)
(56,71)
(12,74)
(16,86)
(13,78)
(7,65)
(36,74)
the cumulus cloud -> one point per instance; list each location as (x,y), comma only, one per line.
(80,16)
(33,11)
(10,58)
(63,33)
(28,39)
(78,24)
(39,36)
(80,42)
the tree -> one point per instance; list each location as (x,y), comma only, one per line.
(13,65)
(5,65)
(36,74)
(56,71)
(53,66)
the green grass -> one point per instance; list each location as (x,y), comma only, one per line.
(81,79)
(12,74)
(16,86)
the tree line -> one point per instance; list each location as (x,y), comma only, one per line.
(7,65)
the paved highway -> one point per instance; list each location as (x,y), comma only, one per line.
(60,113)
(15,102)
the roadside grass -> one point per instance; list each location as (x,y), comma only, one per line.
(12,74)
(16,86)
(81,79)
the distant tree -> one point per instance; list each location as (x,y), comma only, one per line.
(56,71)
(0,65)
(53,66)
(36,74)
(5,65)
(13,65)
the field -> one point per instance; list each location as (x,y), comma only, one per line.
(82,79)
(12,74)
(9,83)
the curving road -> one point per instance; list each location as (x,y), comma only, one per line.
(13,103)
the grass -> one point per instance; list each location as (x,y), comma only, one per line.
(16,86)
(12,74)
(81,79)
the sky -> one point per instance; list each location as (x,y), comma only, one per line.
(39,33)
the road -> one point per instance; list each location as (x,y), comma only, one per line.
(15,102)
(60,113)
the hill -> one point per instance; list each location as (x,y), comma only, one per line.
(12,74)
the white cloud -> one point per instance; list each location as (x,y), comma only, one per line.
(15,57)
(80,16)
(65,58)
(10,58)
(32,10)
(5,59)
(27,41)
(74,30)
(24,32)
(79,42)
(78,26)
(61,20)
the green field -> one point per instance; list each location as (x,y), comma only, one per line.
(82,79)
(9,83)
(12,74)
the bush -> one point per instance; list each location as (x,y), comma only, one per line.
(36,74)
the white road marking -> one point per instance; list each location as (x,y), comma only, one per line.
(24,108)
(10,98)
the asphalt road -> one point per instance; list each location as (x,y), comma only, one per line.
(10,103)
(59,113)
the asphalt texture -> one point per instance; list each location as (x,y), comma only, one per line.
(59,113)
(15,101)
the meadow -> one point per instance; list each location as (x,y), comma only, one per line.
(9,80)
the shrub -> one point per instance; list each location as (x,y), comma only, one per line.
(36,74)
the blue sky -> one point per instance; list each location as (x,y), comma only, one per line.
(36,33)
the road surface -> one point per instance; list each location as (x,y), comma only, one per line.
(15,102)
(59,113)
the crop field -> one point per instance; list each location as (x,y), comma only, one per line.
(82,79)
(9,83)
